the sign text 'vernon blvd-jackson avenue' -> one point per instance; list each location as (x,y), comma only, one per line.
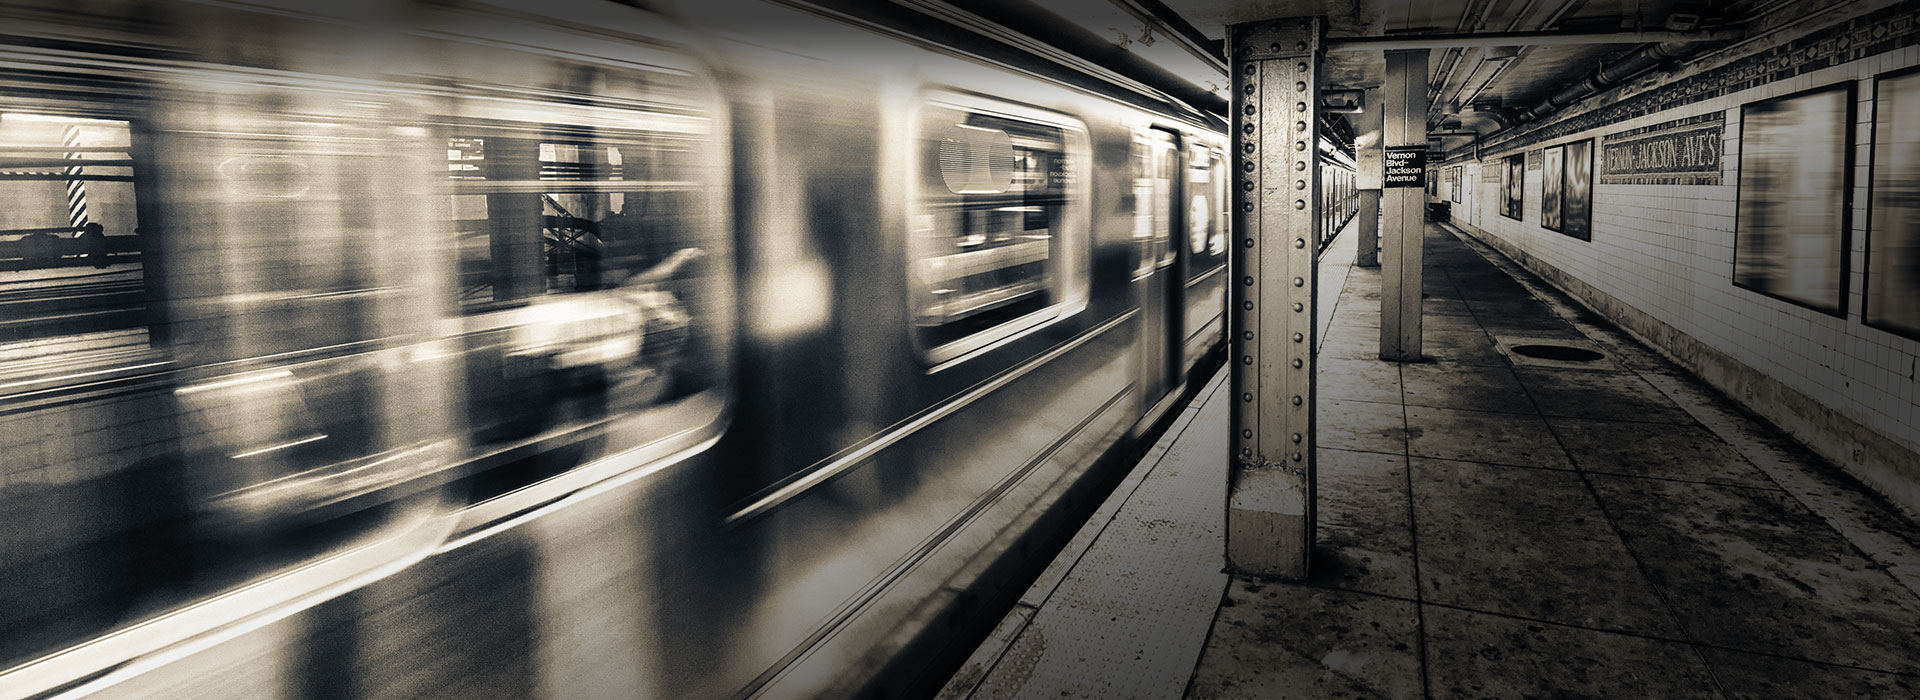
(1406,166)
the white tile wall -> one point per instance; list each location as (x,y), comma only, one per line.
(1667,250)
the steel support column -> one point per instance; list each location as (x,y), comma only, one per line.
(1368,254)
(1270,509)
(1368,137)
(1403,229)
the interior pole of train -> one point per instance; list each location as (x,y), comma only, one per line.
(1404,152)
(1270,509)
(1366,177)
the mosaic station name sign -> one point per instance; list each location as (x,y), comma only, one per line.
(1679,152)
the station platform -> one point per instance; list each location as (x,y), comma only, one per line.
(1491,525)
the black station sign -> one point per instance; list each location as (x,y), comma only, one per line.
(1406,166)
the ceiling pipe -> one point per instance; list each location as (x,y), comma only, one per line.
(1512,26)
(1433,41)
(1605,77)
(1503,117)
(1453,56)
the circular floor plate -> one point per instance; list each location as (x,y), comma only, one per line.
(1558,353)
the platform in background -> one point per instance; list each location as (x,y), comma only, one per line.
(1487,529)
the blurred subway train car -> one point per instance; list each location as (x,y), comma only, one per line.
(566,348)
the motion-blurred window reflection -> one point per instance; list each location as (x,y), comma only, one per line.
(583,202)
(1206,213)
(1154,167)
(994,225)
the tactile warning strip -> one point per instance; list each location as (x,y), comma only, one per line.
(1130,617)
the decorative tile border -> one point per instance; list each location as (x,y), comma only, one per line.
(1888,29)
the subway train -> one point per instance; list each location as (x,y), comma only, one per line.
(567,348)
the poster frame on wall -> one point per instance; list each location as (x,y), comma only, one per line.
(1844,193)
(1580,227)
(1873,165)
(1513,167)
(1553,171)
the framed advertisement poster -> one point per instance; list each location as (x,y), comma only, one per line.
(1892,299)
(1791,221)
(1551,177)
(1576,192)
(1513,181)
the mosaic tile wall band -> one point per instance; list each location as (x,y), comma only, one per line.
(1878,32)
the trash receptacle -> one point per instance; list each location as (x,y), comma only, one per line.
(1440,211)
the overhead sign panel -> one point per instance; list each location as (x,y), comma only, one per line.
(1406,166)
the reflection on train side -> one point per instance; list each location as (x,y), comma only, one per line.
(999,222)
(583,230)
(253,321)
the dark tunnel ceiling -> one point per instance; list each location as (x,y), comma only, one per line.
(1479,86)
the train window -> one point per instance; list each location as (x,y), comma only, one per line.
(1154,168)
(584,202)
(997,243)
(69,238)
(72,279)
(1207,237)
(1200,191)
(1223,175)
(541,212)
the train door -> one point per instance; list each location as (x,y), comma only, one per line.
(220,393)
(1156,185)
(1205,252)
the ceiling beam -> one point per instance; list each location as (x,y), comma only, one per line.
(1437,41)
(1176,26)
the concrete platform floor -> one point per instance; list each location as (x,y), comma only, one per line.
(1491,526)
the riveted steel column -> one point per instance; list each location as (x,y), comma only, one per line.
(1368,252)
(1276,70)
(1403,230)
